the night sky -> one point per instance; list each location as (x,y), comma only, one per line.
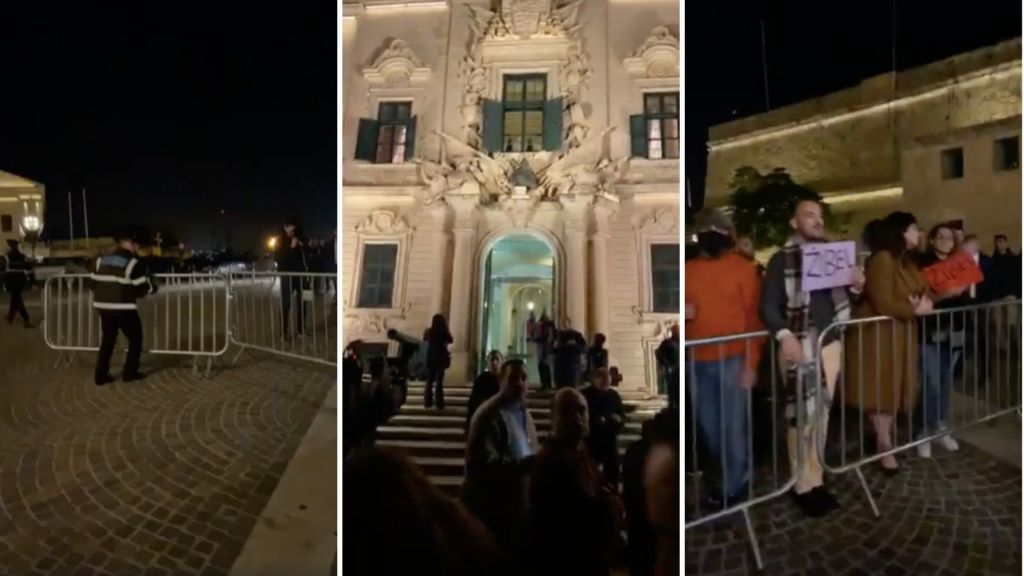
(169,112)
(814,48)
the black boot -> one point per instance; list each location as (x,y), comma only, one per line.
(428,395)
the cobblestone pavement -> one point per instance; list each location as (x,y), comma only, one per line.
(164,476)
(959,513)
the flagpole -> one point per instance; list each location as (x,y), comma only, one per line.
(764,66)
(71,221)
(85,216)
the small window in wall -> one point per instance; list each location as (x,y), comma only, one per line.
(390,138)
(377,276)
(655,133)
(1006,154)
(665,277)
(952,163)
(6,223)
(524,120)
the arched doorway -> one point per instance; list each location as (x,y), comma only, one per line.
(518,279)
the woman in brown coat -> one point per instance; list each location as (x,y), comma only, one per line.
(882,356)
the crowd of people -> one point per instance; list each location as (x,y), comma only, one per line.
(525,506)
(904,366)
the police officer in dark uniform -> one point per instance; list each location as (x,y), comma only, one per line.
(118,280)
(16,271)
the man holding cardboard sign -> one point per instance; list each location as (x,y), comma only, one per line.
(807,287)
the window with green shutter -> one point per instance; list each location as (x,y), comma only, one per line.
(523,101)
(390,138)
(377,275)
(661,125)
(665,277)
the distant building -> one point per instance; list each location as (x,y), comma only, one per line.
(22,207)
(555,185)
(867,149)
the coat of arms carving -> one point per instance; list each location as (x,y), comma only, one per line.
(525,17)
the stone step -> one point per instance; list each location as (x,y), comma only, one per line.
(434,421)
(456,434)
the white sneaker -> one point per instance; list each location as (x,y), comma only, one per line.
(924,450)
(949,443)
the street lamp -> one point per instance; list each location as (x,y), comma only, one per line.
(31,225)
(272,242)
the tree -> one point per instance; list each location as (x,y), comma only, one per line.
(763,205)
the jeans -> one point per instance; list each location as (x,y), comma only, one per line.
(938,362)
(721,406)
(292,285)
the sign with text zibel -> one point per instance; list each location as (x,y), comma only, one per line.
(828,265)
(957,271)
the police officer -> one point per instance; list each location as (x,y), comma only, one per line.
(16,269)
(118,280)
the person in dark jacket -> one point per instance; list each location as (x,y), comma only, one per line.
(667,356)
(439,358)
(607,417)
(570,346)
(573,517)
(942,346)
(500,449)
(352,402)
(15,272)
(485,386)
(292,261)
(544,338)
(118,281)
(597,357)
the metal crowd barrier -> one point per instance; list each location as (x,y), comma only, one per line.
(971,355)
(188,316)
(723,423)
(307,331)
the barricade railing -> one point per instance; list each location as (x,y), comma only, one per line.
(189,315)
(737,455)
(908,383)
(286,313)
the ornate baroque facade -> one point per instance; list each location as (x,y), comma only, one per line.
(469,123)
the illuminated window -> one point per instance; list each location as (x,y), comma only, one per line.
(523,113)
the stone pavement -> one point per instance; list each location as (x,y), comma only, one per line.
(959,513)
(164,476)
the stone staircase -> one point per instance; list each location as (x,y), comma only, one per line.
(436,441)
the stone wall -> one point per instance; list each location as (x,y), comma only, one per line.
(850,140)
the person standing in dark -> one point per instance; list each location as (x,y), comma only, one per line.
(118,281)
(292,261)
(607,417)
(485,386)
(439,358)
(570,346)
(597,357)
(667,356)
(500,449)
(352,396)
(573,516)
(16,272)
(545,339)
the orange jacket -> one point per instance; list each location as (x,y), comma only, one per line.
(726,295)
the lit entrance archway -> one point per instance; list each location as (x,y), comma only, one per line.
(518,283)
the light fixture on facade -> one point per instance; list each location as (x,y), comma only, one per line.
(529,306)
(31,224)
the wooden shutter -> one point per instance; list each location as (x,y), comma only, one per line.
(553,125)
(638,136)
(493,126)
(366,142)
(410,140)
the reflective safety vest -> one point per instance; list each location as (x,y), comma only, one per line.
(118,281)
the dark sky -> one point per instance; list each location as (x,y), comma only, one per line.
(814,48)
(169,111)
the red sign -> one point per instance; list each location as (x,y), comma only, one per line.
(957,271)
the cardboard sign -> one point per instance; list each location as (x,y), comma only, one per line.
(957,271)
(827,266)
